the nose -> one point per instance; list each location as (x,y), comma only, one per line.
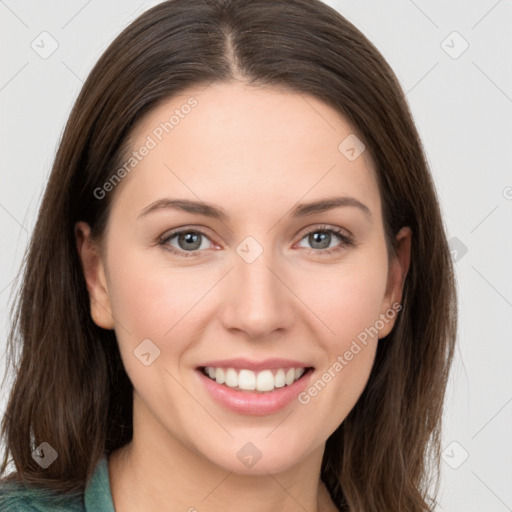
(258,299)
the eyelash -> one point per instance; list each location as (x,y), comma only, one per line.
(346,241)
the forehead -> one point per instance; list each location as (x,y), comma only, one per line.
(248,146)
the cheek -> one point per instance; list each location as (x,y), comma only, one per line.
(348,301)
(153,303)
(347,298)
(150,298)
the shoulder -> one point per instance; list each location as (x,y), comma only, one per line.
(16,497)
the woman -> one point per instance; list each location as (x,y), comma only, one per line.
(239,291)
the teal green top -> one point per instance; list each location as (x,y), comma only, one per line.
(14,497)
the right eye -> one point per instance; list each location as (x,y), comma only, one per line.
(189,242)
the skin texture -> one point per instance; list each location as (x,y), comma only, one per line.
(255,152)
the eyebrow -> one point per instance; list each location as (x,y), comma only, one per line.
(216,212)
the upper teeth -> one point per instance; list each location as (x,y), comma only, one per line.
(249,380)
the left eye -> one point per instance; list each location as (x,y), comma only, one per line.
(322,238)
(192,241)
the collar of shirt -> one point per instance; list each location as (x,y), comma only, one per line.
(97,495)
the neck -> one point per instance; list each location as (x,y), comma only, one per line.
(149,474)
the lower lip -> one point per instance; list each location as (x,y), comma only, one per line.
(256,404)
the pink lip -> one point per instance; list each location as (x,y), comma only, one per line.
(253,403)
(267,364)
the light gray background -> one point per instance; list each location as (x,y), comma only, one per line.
(462,105)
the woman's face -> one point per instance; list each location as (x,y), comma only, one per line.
(242,274)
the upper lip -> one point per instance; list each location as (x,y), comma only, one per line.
(266,364)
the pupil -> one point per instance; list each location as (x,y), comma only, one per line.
(322,238)
(190,238)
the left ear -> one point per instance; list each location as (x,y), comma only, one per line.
(396,279)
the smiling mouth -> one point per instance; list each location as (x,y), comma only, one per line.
(264,381)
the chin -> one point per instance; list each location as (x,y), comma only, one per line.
(259,456)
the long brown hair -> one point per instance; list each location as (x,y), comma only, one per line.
(70,387)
